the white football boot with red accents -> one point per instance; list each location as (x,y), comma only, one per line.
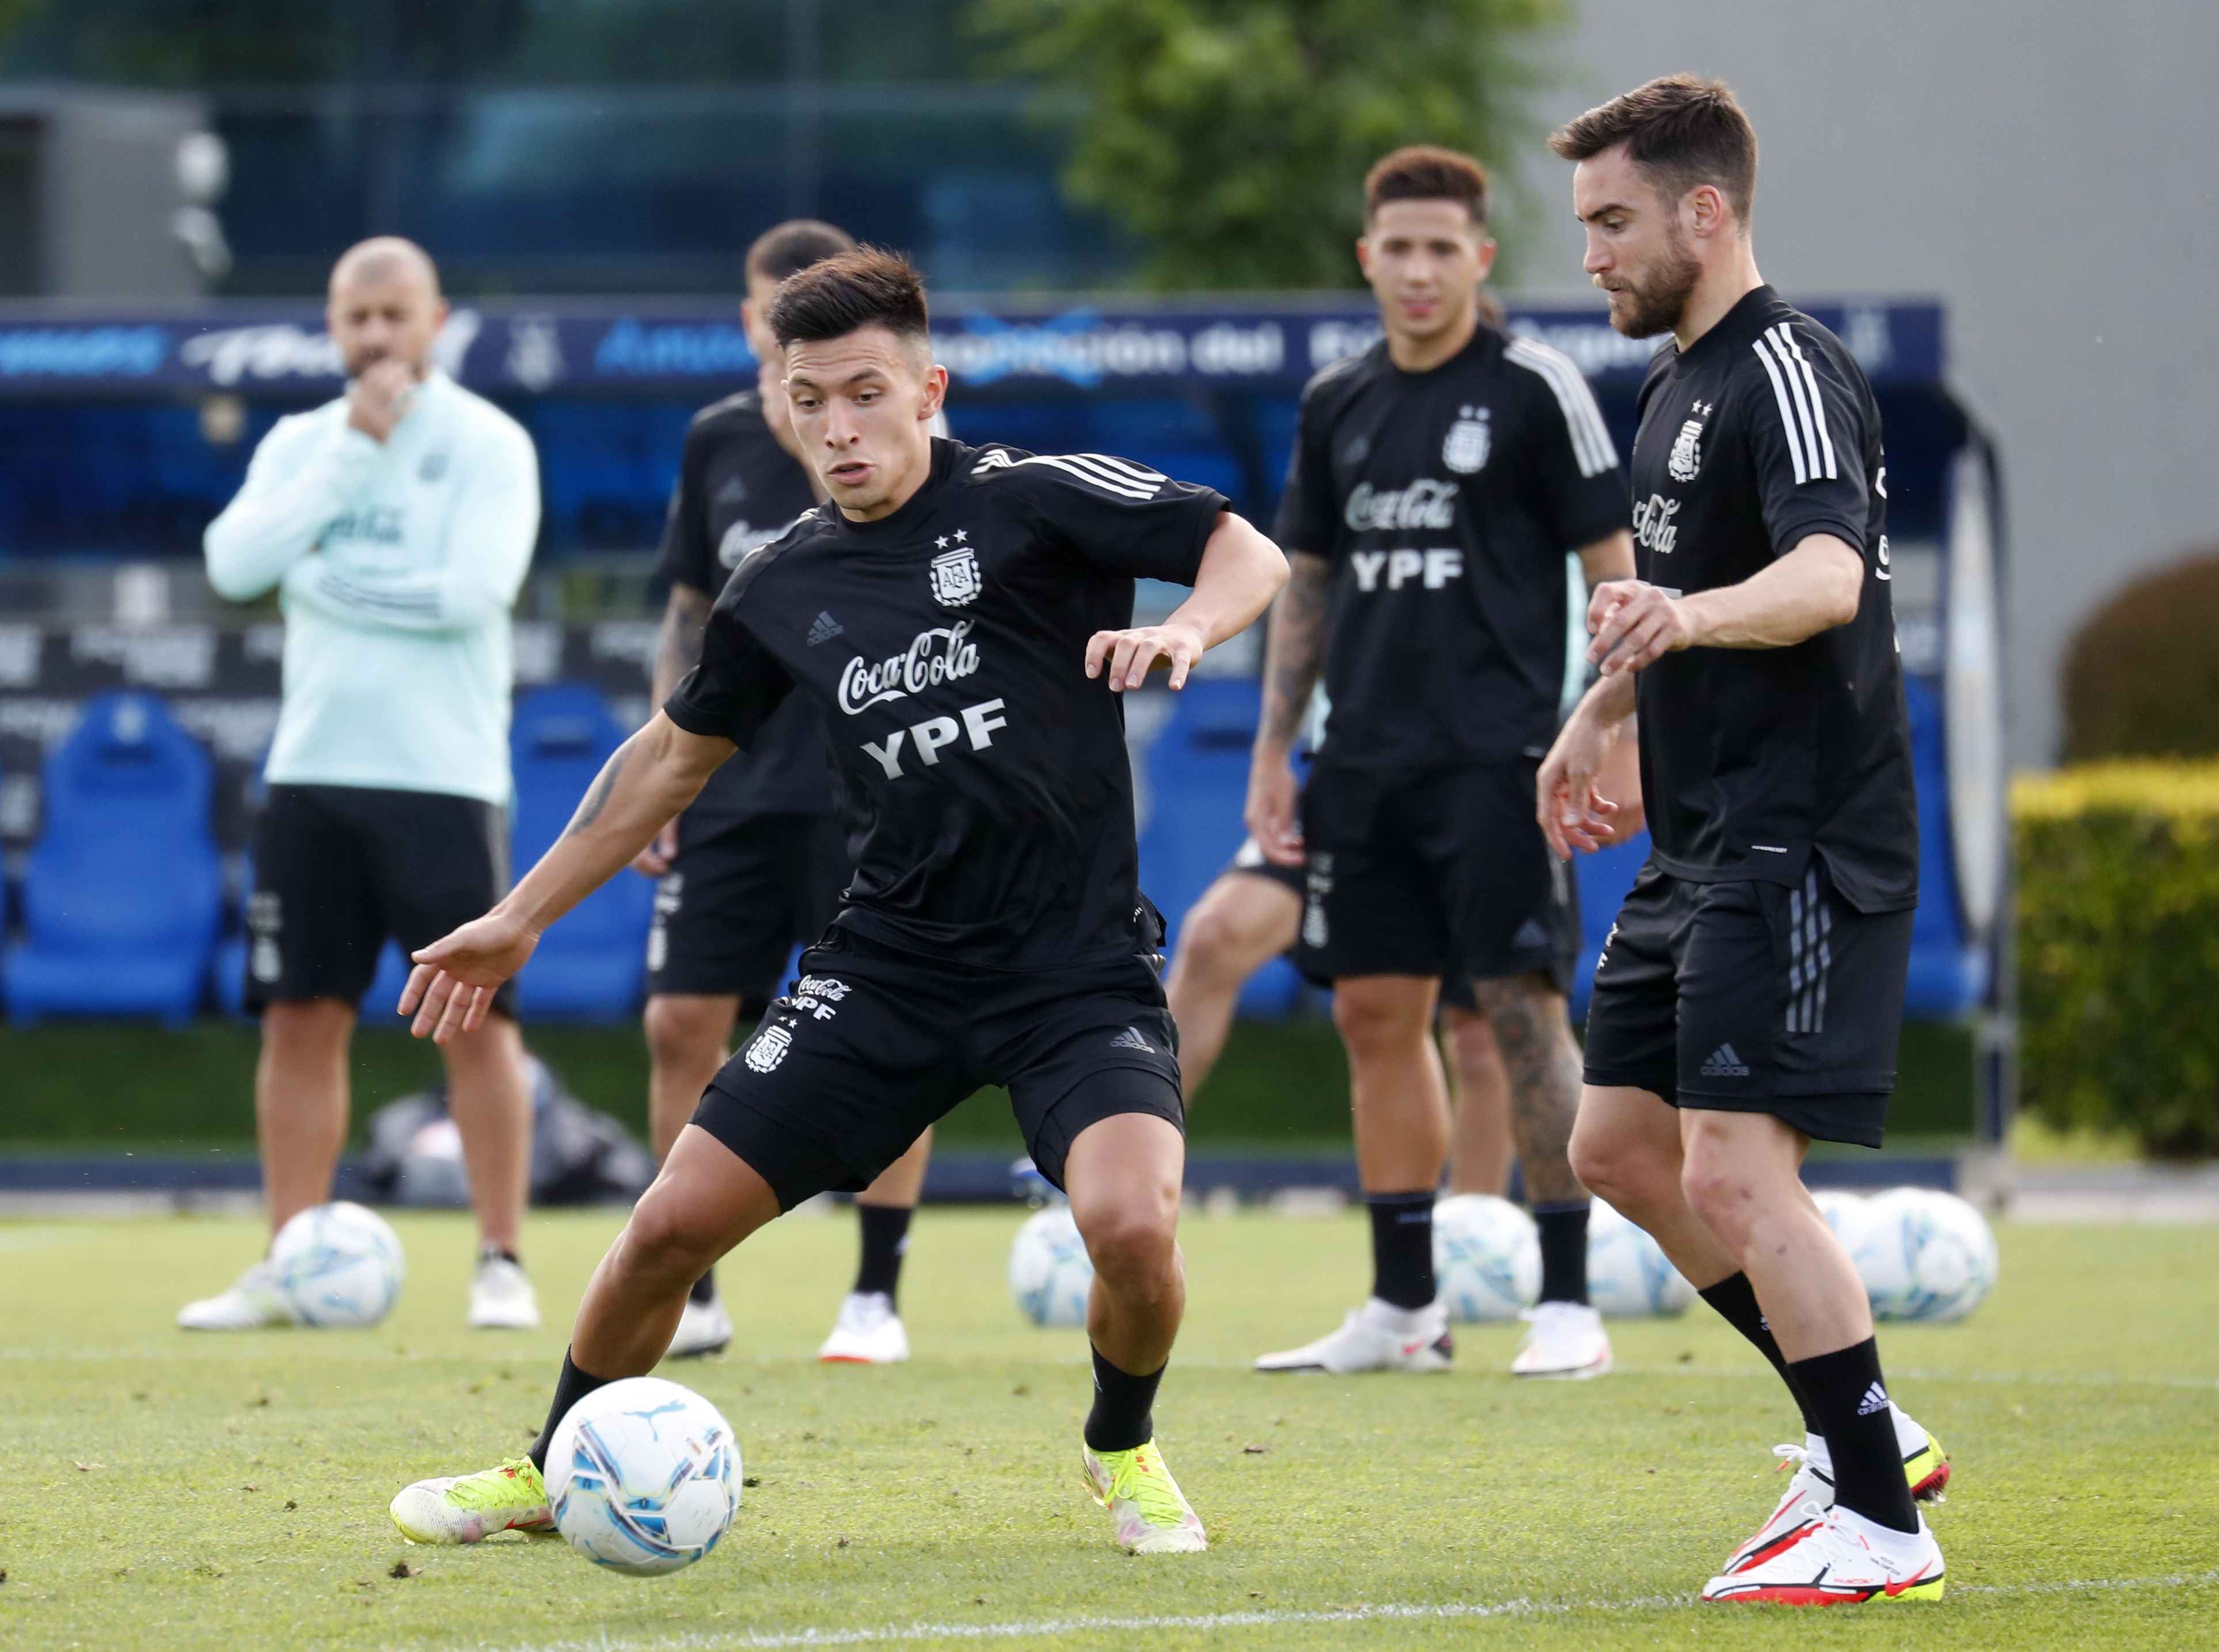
(1811,1493)
(1377,1337)
(1838,1559)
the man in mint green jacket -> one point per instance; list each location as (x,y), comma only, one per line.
(396,522)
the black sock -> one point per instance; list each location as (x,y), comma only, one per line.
(705,1288)
(1122,1417)
(1735,1298)
(1402,1247)
(1563,1252)
(885,1241)
(1851,1404)
(571,1387)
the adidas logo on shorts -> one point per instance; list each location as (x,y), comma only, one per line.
(1724,1064)
(1530,933)
(1130,1038)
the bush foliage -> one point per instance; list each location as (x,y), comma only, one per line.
(2141,678)
(2118,892)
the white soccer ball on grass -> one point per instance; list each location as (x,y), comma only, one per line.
(1050,1273)
(1629,1276)
(1924,1255)
(1487,1258)
(339,1265)
(643,1476)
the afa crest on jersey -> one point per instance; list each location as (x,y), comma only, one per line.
(1687,457)
(955,579)
(1465,448)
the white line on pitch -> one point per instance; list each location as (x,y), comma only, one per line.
(1051,1628)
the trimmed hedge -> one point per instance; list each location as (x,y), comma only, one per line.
(2118,952)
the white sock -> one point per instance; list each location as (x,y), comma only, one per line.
(1382,1315)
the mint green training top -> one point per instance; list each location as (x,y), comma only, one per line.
(397,563)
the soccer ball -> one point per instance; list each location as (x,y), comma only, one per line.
(1926,1255)
(1050,1273)
(1486,1259)
(643,1476)
(1628,1274)
(339,1265)
(1848,1213)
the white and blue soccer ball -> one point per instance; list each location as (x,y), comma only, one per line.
(1487,1258)
(339,1265)
(1629,1276)
(1050,1273)
(1924,1254)
(1850,1215)
(643,1476)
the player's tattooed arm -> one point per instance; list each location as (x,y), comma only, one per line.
(650,778)
(677,651)
(1294,655)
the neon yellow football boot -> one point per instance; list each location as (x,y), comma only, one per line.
(1152,1518)
(468,1507)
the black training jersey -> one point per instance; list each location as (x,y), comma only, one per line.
(1761,434)
(983,774)
(1446,502)
(737,488)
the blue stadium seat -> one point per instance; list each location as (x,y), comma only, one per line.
(1948,976)
(124,889)
(1603,878)
(1197,772)
(591,963)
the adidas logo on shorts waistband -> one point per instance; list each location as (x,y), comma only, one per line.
(1724,1064)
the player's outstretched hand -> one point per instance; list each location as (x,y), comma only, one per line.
(1271,814)
(1634,625)
(1132,655)
(452,985)
(1574,816)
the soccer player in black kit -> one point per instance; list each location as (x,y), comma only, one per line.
(1438,481)
(756,865)
(994,932)
(1751,995)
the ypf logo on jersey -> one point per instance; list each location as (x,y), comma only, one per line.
(1687,457)
(1465,448)
(957,580)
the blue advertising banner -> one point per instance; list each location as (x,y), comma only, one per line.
(612,346)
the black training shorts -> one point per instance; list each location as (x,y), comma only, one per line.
(734,905)
(1441,873)
(1753,997)
(873,1045)
(339,868)
(1250,860)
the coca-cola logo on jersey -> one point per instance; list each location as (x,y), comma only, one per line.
(1652,523)
(1423,504)
(938,655)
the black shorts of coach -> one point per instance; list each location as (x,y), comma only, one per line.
(872,1045)
(1753,997)
(1444,872)
(1250,861)
(337,869)
(738,900)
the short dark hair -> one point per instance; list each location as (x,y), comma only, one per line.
(1426,173)
(1681,131)
(789,248)
(869,287)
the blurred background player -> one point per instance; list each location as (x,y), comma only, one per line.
(754,867)
(396,522)
(1438,481)
(1750,995)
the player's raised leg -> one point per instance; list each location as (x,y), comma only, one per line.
(869,1330)
(1399,1101)
(1245,918)
(1124,1175)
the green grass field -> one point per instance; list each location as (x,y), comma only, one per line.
(163,1491)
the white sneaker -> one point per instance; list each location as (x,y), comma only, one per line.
(502,1298)
(1377,1337)
(703,1328)
(1563,1340)
(1811,1493)
(254,1301)
(868,1333)
(1840,1558)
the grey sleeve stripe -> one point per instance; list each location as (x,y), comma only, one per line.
(1591,445)
(1093,478)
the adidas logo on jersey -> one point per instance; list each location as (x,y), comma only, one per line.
(1724,1064)
(1130,1038)
(825,629)
(1875,1400)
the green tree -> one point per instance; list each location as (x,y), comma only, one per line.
(1231,137)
